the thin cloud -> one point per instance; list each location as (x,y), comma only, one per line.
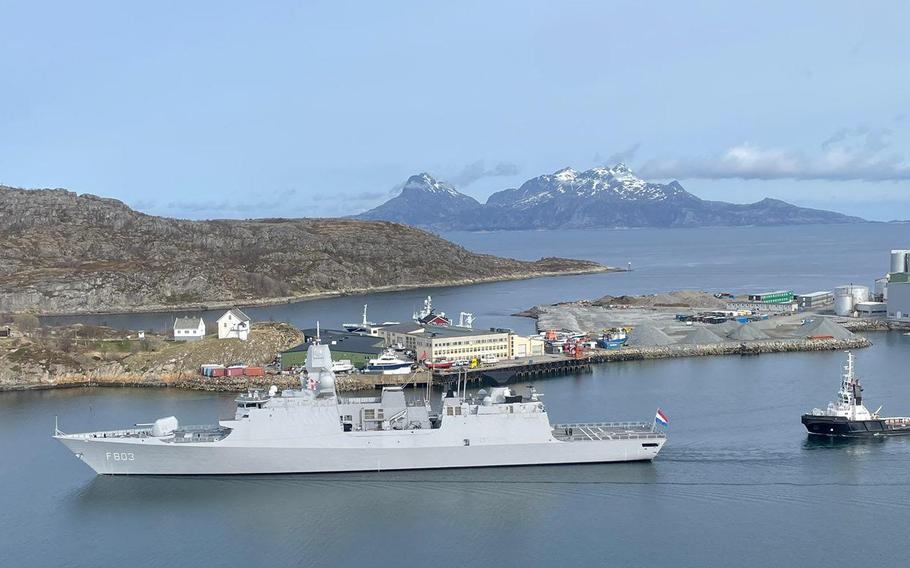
(478,170)
(624,156)
(847,155)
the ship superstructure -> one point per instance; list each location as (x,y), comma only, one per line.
(312,429)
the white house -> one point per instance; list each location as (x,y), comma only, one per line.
(189,329)
(234,324)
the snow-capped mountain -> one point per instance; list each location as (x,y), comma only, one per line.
(424,202)
(616,183)
(596,198)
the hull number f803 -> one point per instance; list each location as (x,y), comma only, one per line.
(120,456)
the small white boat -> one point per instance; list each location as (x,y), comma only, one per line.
(342,366)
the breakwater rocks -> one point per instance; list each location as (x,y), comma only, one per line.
(873,325)
(726,348)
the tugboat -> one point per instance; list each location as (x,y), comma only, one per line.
(849,417)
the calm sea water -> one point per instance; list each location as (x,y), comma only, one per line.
(739,483)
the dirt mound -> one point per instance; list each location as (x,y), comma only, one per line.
(678,299)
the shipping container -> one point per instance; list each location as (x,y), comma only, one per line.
(254,371)
(219,372)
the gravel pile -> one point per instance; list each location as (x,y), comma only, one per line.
(646,335)
(701,336)
(747,332)
(824,326)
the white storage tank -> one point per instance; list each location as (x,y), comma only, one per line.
(899,260)
(846,297)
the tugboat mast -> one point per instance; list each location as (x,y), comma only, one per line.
(851,393)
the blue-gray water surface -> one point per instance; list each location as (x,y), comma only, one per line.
(739,483)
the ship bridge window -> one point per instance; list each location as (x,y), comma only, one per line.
(372,414)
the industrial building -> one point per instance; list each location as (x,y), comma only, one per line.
(403,334)
(899,296)
(356,348)
(459,343)
(814,299)
(431,342)
(778,297)
(757,307)
(525,346)
(896,289)
(870,309)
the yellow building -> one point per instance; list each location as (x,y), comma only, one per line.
(521,346)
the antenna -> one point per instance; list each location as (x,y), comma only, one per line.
(364,315)
(317,331)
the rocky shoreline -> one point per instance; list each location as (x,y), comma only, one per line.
(264,302)
(183,380)
(193,381)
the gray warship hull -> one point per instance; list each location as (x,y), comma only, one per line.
(313,430)
(138,458)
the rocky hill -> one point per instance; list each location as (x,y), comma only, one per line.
(66,253)
(596,198)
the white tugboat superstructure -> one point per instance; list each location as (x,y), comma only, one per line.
(315,430)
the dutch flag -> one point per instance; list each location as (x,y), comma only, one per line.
(661,419)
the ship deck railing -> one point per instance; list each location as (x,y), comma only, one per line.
(200,433)
(123,433)
(599,431)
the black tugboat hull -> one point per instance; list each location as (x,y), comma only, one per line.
(840,427)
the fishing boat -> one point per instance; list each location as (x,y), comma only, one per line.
(613,338)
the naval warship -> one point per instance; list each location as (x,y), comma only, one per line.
(848,417)
(312,429)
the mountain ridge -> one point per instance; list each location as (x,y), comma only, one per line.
(601,197)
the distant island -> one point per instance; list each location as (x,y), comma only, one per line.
(63,253)
(596,198)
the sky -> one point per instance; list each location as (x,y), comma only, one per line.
(304,109)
